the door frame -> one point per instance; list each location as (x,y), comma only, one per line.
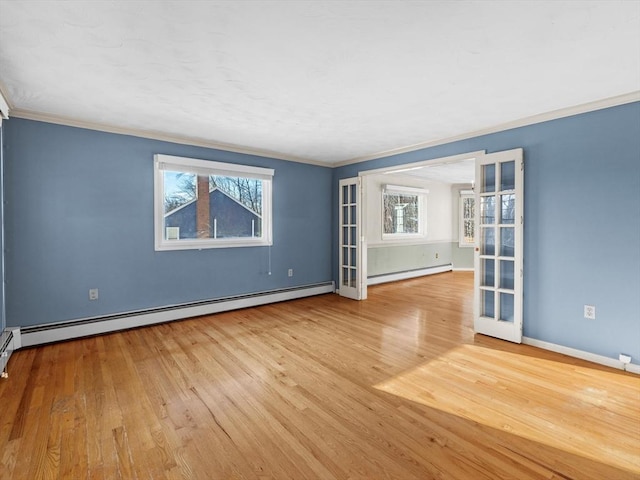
(361,219)
(353,206)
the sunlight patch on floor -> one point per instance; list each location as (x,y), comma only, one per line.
(528,397)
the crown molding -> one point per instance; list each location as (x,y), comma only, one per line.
(539,118)
(4,106)
(199,142)
(156,135)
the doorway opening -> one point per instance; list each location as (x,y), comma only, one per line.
(413,218)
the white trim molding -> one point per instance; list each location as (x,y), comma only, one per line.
(156,135)
(4,108)
(542,117)
(48,333)
(199,142)
(581,354)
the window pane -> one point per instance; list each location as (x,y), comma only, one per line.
(507,274)
(488,210)
(488,178)
(345,256)
(507,242)
(345,215)
(488,241)
(352,218)
(345,235)
(468,204)
(353,256)
(345,277)
(488,304)
(179,189)
(345,194)
(212,206)
(508,175)
(506,307)
(488,272)
(508,208)
(467,219)
(468,229)
(353,277)
(401,213)
(352,196)
(353,236)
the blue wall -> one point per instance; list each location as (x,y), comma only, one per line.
(582,224)
(79,215)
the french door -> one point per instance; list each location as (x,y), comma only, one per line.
(498,252)
(352,270)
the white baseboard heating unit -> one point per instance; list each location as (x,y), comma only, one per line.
(85,327)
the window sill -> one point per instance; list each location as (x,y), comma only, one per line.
(207,244)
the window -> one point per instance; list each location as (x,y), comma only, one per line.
(467,219)
(402,210)
(204,204)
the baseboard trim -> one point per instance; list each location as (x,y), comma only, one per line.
(581,354)
(49,333)
(463,269)
(394,277)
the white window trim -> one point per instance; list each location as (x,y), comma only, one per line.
(422,212)
(168,162)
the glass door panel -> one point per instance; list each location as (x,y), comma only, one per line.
(506,307)
(507,176)
(508,208)
(488,240)
(488,272)
(488,178)
(498,255)
(507,241)
(488,210)
(488,303)
(350,282)
(506,274)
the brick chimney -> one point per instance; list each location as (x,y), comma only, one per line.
(202,208)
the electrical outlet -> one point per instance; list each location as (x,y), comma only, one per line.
(93,294)
(590,312)
(624,358)
(290,272)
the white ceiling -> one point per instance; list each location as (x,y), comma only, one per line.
(321,81)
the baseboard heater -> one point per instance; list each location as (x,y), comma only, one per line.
(420,272)
(55,332)
(9,341)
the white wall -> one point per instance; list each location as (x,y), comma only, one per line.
(438,215)
(400,255)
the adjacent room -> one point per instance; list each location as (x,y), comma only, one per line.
(327,240)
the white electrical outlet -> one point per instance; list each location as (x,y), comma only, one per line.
(624,358)
(290,272)
(93,294)
(590,312)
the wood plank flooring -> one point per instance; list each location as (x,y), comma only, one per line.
(395,387)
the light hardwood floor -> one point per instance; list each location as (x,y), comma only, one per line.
(395,387)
